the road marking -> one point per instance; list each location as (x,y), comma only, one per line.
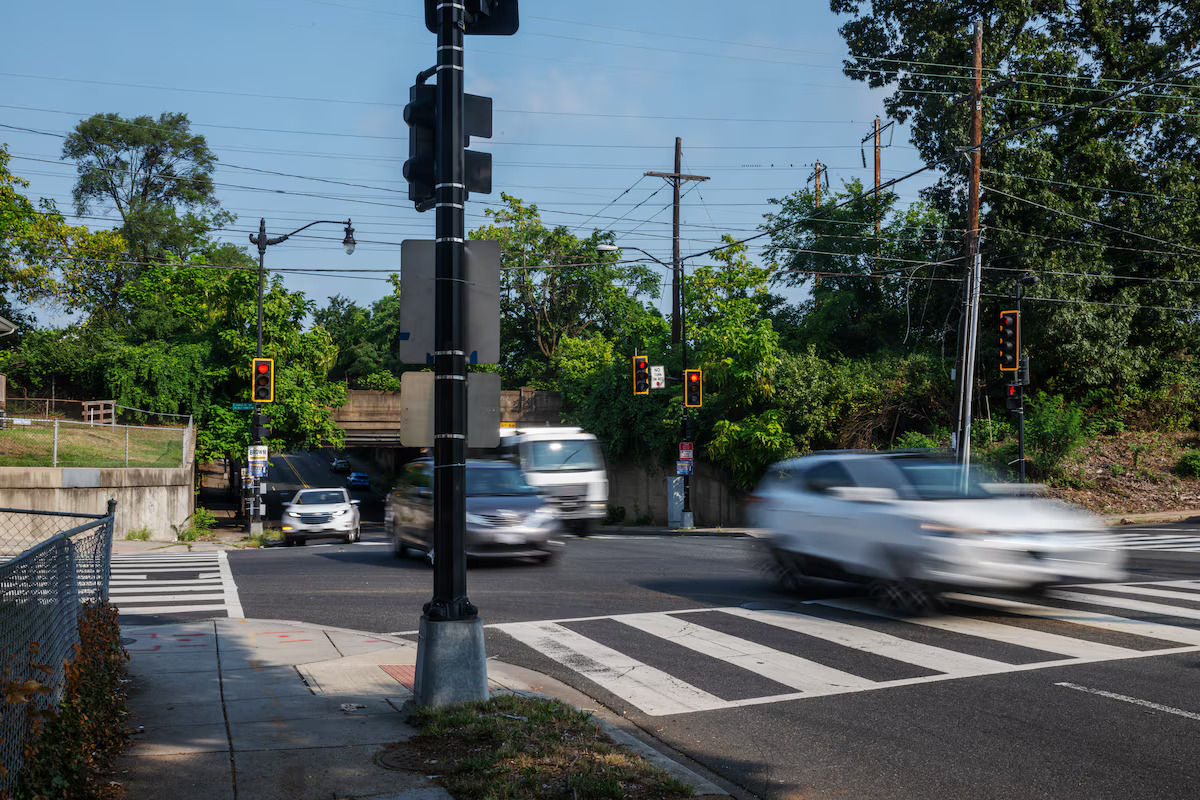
(656,692)
(1128,603)
(1144,590)
(1127,699)
(232,602)
(996,631)
(135,588)
(650,689)
(783,668)
(288,462)
(158,588)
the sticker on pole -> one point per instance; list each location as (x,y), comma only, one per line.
(683,467)
(256,460)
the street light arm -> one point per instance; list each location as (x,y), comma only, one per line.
(278,239)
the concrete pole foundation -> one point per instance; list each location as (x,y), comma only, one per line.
(451,662)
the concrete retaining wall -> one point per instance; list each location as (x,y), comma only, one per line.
(642,490)
(146,498)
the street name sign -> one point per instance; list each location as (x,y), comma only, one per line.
(243,406)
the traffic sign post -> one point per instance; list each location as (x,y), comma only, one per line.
(685,451)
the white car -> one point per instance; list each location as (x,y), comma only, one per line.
(319,514)
(904,524)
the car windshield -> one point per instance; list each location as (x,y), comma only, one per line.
(939,480)
(483,481)
(319,498)
(562,455)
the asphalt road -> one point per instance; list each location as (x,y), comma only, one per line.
(1101,722)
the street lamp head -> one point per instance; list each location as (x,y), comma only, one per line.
(607,248)
(348,242)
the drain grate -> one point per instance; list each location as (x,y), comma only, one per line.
(405,759)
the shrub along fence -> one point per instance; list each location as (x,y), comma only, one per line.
(43,592)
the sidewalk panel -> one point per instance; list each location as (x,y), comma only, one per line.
(182,777)
(321,774)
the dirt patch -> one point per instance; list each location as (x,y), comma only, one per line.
(1130,473)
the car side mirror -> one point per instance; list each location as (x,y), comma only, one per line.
(287,505)
(355,502)
(864,494)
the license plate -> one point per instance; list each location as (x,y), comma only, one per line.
(509,538)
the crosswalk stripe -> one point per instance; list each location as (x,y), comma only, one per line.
(1092,619)
(783,668)
(171,609)
(144,583)
(160,588)
(1127,603)
(949,662)
(166,598)
(650,689)
(996,631)
(1144,590)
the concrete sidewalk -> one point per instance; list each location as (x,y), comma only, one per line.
(266,709)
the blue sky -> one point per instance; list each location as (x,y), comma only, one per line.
(588,96)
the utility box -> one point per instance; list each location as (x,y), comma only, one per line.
(674,501)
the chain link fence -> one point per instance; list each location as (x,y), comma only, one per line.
(42,589)
(33,442)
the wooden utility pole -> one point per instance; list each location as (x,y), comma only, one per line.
(877,181)
(970,320)
(676,179)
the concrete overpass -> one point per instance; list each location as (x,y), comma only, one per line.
(372,418)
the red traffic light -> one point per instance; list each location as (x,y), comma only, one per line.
(694,376)
(1012,391)
(263,368)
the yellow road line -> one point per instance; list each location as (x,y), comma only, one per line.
(295,471)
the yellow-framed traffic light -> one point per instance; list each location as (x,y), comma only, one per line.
(693,388)
(262,380)
(641,375)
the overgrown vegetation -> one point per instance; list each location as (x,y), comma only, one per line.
(511,747)
(197,526)
(69,748)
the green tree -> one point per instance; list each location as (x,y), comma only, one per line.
(556,286)
(157,175)
(1103,204)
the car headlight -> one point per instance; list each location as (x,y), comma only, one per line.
(341,511)
(539,518)
(289,515)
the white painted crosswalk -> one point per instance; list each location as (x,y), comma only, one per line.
(196,584)
(1183,540)
(705,659)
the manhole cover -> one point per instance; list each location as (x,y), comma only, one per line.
(407,760)
(768,605)
(127,640)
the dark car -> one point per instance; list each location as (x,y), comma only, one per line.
(358,480)
(506,517)
(339,465)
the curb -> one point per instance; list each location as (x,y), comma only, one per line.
(646,530)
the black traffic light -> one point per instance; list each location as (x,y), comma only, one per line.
(1014,399)
(641,375)
(261,428)
(420,169)
(693,388)
(482,17)
(262,380)
(1010,341)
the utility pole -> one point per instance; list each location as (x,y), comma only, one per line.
(970,318)
(817,193)
(678,309)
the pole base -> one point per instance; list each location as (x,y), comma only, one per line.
(451,663)
(686,520)
(256,528)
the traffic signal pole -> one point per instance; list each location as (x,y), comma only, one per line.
(451,660)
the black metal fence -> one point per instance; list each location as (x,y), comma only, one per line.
(42,589)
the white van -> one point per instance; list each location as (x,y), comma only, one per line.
(568,466)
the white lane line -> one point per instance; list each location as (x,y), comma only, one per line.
(1107,622)
(949,662)
(167,609)
(995,631)
(165,598)
(1129,603)
(783,668)
(232,602)
(1127,699)
(161,589)
(652,690)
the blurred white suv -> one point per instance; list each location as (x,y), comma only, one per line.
(906,525)
(319,514)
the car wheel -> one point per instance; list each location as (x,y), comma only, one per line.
(399,548)
(785,567)
(289,541)
(544,558)
(583,528)
(353,535)
(904,596)
(429,556)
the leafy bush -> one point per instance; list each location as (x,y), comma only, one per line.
(198,526)
(911,440)
(1054,428)
(1188,465)
(68,749)
(139,535)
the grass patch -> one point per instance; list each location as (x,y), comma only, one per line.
(512,748)
(267,539)
(139,535)
(198,526)
(89,446)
